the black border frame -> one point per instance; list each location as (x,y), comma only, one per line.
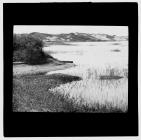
(19,124)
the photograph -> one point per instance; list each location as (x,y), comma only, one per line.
(70,68)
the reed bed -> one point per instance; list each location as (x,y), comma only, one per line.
(110,92)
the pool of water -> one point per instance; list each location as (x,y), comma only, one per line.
(97,54)
(94,59)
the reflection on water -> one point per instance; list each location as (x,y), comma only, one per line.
(96,54)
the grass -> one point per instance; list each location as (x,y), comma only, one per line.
(24,69)
(100,90)
(84,91)
(31,93)
(116,43)
(115,50)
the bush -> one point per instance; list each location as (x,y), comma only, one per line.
(19,55)
(34,56)
(28,49)
(25,41)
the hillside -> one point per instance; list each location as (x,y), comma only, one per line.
(78,37)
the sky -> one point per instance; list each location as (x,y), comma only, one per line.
(111,30)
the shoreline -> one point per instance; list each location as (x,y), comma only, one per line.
(23,69)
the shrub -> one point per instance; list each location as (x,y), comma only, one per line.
(34,56)
(19,55)
(28,49)
(26,41)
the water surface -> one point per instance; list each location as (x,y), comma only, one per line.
(97,54)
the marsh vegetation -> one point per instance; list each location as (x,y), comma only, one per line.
(98,82)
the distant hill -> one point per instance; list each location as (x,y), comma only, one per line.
(77,37)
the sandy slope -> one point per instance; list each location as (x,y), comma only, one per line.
(22,69)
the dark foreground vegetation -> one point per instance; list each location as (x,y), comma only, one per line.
(31,94)
(28,49)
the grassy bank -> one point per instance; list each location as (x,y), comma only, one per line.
(66,93)
(100,90)
(24,69)
(31,93)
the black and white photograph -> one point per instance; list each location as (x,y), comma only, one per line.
(70,69)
